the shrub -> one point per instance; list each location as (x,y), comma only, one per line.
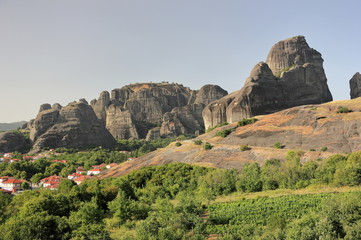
(343,110)
(197,142)
(217,126)
(207,146)
(278,145)
(323,149)
(244,147)
(178,144)
(312,150)
(247,121)
(224,133)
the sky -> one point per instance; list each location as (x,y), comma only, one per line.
(59,51)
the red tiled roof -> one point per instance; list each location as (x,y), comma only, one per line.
(76,175)
(12,180)
(80,179)
(95,170)
(51,178)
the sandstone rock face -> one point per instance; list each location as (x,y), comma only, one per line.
(355,86)
(153,134)
(209,93)
(74,126)
(44,106)
(120,123)
(293,75)
(13,141)
(133,110)
(182,120)
(101,105)
(56,106)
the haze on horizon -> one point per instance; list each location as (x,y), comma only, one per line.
(61,51)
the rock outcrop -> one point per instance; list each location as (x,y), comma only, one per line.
(293,75)
(73,126)
(132,111)
(13,141)
(355,86)
(44,107)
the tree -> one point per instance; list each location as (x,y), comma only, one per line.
(250,178)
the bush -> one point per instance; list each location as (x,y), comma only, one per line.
(278,145)
(312,150)
(244,147)
(178,144)
(217,126)
(207,146)
(224,133)
(197,142)
(343,110)
(324,149)
(246,121)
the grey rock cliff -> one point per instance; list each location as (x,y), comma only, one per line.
(44,106)
(133,110)
(13,141)
(74,126)
(293,75)
(355,86)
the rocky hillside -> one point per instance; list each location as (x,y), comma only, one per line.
(293,75)
(317,130)
(154,110)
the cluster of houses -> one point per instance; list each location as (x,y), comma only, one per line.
(78,177)
(12,185)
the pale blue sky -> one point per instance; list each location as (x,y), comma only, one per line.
(63,50)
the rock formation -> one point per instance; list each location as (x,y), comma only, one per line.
(134,110)
(293,75)
(44,106)
(73,126)
(355,86)
(13,141)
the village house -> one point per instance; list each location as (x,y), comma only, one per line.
(9,155)
(80,170)
(11,184)
(94,171)
(81,179)
(111,165)
(74,175)
(101,166)
(51,182)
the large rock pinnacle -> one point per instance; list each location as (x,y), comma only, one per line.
(293,75)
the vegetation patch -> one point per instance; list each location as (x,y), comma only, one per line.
(278,75)
(207,146)
(217,126)
(244,147)
(323,149)
(224,133)
(198,142)
(246,121)
(278,145)
(178,144)
(343,110)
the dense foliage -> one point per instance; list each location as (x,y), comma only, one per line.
(168,202)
